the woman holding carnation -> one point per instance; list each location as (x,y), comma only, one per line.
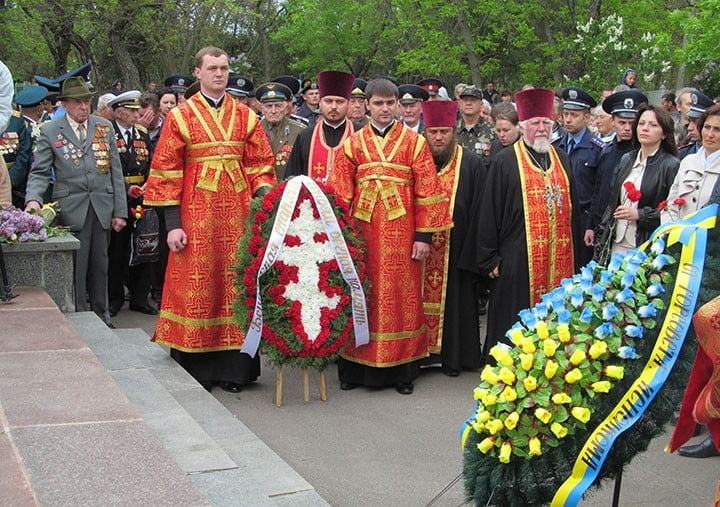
(641,181)
(698,172)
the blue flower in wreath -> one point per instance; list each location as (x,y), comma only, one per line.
(627,352)
(615,262)
(609,311)
(567,284)
(628,278)
(634,331)
(624,295)
(636,257)
(592,265)
(563,316)
(576,297)
(655,290)
(528,318)
(598,293)
(586,315)
(658,246)
(586,278)
(605,277)
(647,311)
(557,299)
(660,261)
(603,330)
(541,310)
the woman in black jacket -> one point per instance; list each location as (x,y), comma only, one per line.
(641,181)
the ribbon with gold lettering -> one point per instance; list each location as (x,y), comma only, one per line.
(692,233)
(283,217)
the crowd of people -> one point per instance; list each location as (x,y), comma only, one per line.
(491,198)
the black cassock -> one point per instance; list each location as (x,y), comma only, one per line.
(461,334)
(496,235)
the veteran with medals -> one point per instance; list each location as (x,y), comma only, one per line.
(522,231)
(317,147)
(88,186)
(387,175)
(211,159)
(281,130)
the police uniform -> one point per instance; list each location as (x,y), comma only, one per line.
(700,102)
(409,94)
(178,83)
(432,86)
(135,155)
(240,86)
(281,135)
(305,111)
(584,157)
(480,136)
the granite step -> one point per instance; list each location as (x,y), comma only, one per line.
(227,463)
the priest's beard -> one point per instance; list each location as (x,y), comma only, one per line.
(442,155)
(541,144)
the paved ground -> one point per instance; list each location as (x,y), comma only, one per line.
(376,447)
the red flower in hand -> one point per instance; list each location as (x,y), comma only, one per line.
(679,201)
(662,206)
(632,192)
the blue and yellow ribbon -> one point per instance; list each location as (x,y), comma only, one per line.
(692,233)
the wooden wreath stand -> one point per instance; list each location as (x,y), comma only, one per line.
(306,386)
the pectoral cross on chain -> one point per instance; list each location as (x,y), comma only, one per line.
(554,198)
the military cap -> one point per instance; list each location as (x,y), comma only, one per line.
(49,84)
(129,99)
(431,84)
(31,96)
(83,71)
(358,91)
(577,99)
(410,93)
(240,86)
(178,83)
(273,92)
(310,86)
(700,103)
(471,91)
(289,81)
(624,104)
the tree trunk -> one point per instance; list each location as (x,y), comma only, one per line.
(130,74)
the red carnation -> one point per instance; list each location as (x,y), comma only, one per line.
(260,217)
(679,201)
(267,205)
(633,193)
(320,237)
(663,205)
(292,240)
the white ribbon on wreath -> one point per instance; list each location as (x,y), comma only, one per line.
(283,217)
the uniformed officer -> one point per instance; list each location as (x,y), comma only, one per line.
(411,99)
(294,85)
(310,109)
(584,150)
(700,102)
(133,143)
(432,85)
(179,83)
(281,130)
(357,107)
(240,87)
(29,100)
(474,133)
(16,149)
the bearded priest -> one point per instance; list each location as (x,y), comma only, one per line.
(450,295)
(521,236)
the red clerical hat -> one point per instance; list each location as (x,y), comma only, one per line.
(336,83)
(439,113)
(535,102)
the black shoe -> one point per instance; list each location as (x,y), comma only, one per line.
(146,309)
(698,430)
(450,372)
(347,386)
(114,310)
(231,387)
(404,388)
(704,449)
(110,325)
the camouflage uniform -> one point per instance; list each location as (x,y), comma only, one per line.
(477,139)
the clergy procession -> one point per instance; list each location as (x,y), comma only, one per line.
(459,206)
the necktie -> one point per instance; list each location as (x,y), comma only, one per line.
(81,133)
(571,145)
(128,139)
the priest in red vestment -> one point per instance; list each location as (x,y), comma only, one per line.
(522,231)
(211,159)
(387,175)
(451,295)
(316,148)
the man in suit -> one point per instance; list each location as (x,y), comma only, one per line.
(88,186)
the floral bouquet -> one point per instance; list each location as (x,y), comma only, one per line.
(575,355)
(17,225)
(306,306)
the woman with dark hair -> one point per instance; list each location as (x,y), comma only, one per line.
(698,172)
(506,127)
(168,100)
(641,181)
